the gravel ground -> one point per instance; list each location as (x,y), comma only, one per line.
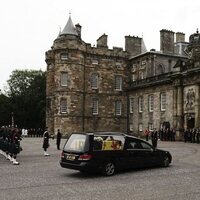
(38,177)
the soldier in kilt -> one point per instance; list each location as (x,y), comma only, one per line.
(14,147)
(7,134)
(46,145)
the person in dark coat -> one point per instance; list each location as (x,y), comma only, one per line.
(198,135)
(154,138)
(58,139)
(15,145)
(146,134)
(45,146)
(186,135)
(194,135)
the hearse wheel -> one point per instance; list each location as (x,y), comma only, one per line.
(166,161)
(108,169)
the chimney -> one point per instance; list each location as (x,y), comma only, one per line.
(102,41)
(78,29)
(133,45)
(166,41)
(180,37)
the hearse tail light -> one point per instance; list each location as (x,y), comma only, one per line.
(62,155)
(85,157)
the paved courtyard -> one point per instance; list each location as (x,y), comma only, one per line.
(39,177)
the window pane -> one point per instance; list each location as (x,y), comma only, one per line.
(63,106)
(163,101)
(118,83)
(118,64)
(64,56)
(145,146)
(94,81)
(141,75)
(140,127)
(77,142)
(150,127)
(95,61)
(131,105)
(95,104)
(64,78)
(133,77)
(105,143)
(140,104)
(118,108)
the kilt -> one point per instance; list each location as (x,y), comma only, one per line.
(14,148)
(45,143)
(5,146)
(1,143)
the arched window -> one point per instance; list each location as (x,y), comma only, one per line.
(161,69)
(141,75)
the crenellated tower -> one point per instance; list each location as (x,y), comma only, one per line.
(194,49)
(85,84)
(65,76)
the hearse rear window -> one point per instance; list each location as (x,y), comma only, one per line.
(107,143)
(77,142)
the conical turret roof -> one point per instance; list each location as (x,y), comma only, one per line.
(143,47)
(69,28)
(195,38)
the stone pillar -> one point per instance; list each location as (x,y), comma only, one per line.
(179,112)
(197,107)
(175,107)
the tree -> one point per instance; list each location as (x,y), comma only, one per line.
(5,110)
(27,94)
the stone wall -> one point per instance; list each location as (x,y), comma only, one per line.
(156,117)
(79,65)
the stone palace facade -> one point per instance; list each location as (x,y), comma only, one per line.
(94,88)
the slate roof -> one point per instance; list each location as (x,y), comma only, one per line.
(69,28)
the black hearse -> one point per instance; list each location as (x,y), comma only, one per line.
(108,152)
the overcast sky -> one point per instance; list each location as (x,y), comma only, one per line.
(29,27)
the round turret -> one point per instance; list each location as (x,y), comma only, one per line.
(194,47)
(195,38)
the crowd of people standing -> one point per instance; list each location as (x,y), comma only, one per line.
(192,135)
(32,132)
(189,135)
(10,138)
(162,134)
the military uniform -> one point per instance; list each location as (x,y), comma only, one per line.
(198,135)
(10,144)
(15,145)
(45,142)
(58,139)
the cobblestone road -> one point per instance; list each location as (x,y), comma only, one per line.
(38,177)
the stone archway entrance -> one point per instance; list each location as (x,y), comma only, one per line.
(191,122)
(166,125)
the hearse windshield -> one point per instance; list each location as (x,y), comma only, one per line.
(77,143)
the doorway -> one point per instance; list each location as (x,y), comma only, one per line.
(190,122)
